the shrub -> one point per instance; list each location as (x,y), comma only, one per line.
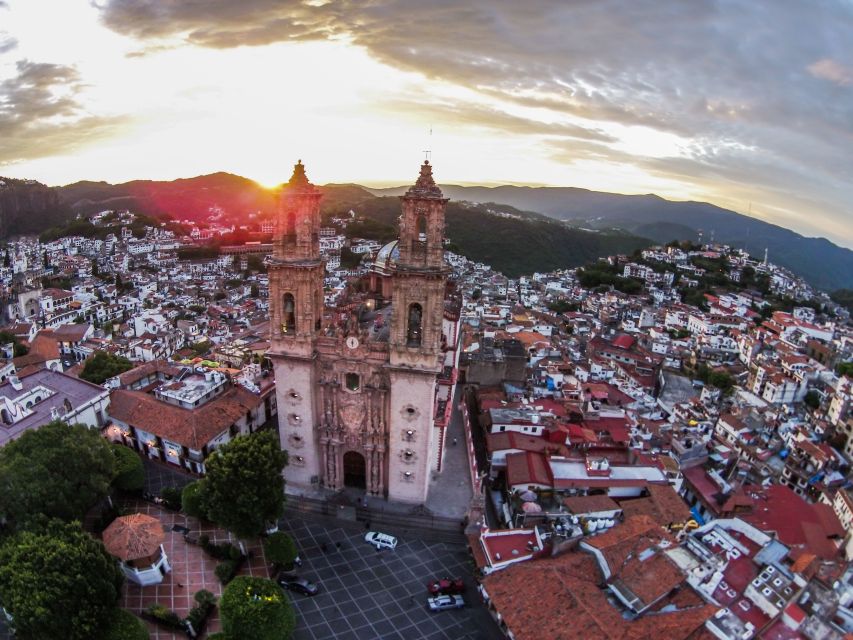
(192,499)
(130,473)
(280,549)
(165,616)
(256,609)
(221,551)
(225,571)
(199,614)
(171,498)
(125,626)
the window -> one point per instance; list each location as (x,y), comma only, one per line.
(414,331)
(288,314)
(352,381)
(421,226)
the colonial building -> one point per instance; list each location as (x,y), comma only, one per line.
(363,387)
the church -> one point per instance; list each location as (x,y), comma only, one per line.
(365,386)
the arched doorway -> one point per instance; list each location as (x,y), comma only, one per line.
(355,470)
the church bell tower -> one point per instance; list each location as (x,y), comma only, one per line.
(418,284)
(296,315)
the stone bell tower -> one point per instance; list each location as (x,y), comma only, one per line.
(296,315)
(418,284)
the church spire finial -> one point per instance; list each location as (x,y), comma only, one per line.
(298,178)
(425,186)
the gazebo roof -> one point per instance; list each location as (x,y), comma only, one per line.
(133,537)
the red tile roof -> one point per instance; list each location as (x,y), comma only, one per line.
(192,428)
(558,598)
(634,553)
(527,468)
(133,537)
(796,522)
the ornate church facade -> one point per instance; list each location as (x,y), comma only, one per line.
(363,386)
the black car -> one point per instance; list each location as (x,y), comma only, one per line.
(292,582)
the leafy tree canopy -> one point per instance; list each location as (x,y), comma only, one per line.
(812,399)
(244,488)
(58,583)
(123,625)
(130,473)
(256,609)
(192,499)
(102,366)
(57,470)
(280,549)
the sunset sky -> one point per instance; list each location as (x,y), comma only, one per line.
(744,103)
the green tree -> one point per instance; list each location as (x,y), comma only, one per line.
(57,470)
(130,472)
(254,292)
(845,368)
(721,379)
(95,271)
(58,582)
(812,399)
(102,366)
(256,609)
(123,625)
(192,500)
(280,549)
(244,488)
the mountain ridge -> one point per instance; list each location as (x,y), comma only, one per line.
(818,260)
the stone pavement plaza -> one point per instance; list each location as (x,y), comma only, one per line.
(380,595)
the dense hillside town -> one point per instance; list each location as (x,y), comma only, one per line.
(667,434)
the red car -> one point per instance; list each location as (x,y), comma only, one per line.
(446,586)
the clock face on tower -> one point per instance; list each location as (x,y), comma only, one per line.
(352,342)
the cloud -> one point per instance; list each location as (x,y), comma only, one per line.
(832,70)
(7,43)
(734,78)
(41,114)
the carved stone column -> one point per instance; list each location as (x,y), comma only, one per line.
(324,459)
(339,462)
(333,465)
(368,472)
(380,483)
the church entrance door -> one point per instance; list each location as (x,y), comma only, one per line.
(355,471)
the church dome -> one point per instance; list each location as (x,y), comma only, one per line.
(386,258)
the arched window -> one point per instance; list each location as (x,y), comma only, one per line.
(414,331)
(421,228)
(288,314)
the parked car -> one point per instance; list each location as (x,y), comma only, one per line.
(292,582)
(442,603)
(446,586)
(380,540)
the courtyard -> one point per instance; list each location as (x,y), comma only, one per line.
(380,595)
